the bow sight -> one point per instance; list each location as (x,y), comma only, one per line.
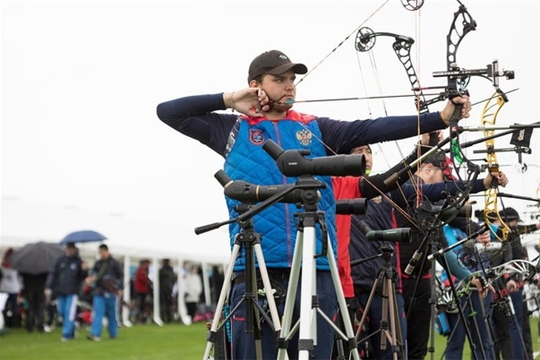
(462,77)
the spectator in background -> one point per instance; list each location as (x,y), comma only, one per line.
(3,298)
(34,293)
(106,279)
(167,279)
(10,284)
(51,312)
(142,286)
(65,279)
(193,290)
(216,283)
(435,183)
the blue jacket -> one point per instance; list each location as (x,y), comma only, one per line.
(66,276)
(247,160)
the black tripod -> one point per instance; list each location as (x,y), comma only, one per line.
(390,328)
(250,241)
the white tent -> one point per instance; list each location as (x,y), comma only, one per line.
(128,239)
(26,221)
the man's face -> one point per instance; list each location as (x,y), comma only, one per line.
(280,89)
(70,251)
(368,157)
(103,253)
(431,174)
(512,223)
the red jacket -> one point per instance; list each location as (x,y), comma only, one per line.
(142,281)
(345,188)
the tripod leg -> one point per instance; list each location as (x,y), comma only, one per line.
(384,317)
(397,317)
(366,309)
(253,321)
(290,298)
(211,335)
(395,327)
(346,320)
(306,342)
(267,288)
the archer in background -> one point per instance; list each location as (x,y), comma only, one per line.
(510,324)
(432,182)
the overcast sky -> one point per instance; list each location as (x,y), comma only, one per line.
(81,82)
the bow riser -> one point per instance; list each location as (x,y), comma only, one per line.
(491,212)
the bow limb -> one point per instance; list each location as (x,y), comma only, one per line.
(365,41)
(489,117)
(457,84)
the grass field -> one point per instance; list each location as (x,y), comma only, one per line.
(173,341)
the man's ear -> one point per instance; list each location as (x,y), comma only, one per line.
(254,84)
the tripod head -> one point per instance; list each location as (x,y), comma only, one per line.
(387,251)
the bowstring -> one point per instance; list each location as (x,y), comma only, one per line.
(368,103)
(378,82)
(342,42)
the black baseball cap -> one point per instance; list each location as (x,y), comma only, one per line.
(273,62)
(509,214)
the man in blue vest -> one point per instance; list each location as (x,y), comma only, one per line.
(266,113)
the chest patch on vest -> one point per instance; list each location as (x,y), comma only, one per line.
(304,136)
(256,136)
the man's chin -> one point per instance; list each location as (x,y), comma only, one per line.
(283,107)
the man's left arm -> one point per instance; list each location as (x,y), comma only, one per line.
(342,136)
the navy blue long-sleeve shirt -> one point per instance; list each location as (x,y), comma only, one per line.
(196,117)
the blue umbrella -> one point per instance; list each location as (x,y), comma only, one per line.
(82,236)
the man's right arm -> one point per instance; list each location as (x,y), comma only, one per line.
(195,116)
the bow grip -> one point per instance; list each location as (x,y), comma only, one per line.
(456,115)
